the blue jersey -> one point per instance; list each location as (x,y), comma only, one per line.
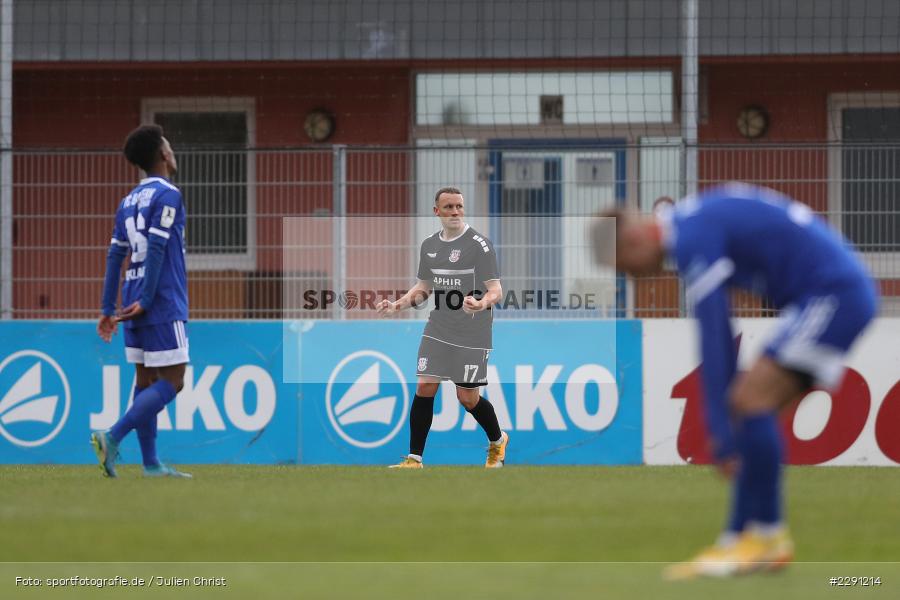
(751,238)
(154,208)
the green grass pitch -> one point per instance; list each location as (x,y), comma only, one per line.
(451,532)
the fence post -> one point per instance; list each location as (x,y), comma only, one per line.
(6,159)
(339,223)
(689,93)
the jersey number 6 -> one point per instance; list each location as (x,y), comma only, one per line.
(137,239)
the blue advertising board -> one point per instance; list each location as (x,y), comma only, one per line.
(568,392)
(59,381)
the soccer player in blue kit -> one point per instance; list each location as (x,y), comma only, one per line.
(752,238)
(150,228)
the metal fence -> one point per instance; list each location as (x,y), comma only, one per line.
(245,262)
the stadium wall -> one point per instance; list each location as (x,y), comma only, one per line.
(72,108)
(92,105)
(95,104)
(326,392)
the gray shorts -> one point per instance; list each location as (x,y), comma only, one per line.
(466,367)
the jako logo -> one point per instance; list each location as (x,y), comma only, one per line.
(362,409)
(534,398)
(30,413)
(203,400)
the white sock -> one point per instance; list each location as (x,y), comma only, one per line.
(768,530)
(415,457)
(497,443)
(727,539)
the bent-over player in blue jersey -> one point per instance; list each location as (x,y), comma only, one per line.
(756,239)
(150,228)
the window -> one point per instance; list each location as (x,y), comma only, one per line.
(864,189)
(506,98)
(660,170)
(210,137)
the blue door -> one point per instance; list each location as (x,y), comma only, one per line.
(527,187)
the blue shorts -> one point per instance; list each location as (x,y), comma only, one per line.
(814,334)
(159,345)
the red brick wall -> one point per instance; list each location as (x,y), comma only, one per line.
(795,95)
(91,106)
(85,107)
(94,106)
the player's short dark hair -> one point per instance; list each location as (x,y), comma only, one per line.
(446,190)
(142,146)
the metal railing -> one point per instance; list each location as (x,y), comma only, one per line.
(240,266)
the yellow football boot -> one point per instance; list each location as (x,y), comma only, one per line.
(756,552)
(496,454)
(713,561)
(752,552)
(408,463)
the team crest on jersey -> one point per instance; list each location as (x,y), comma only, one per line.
(454,255)
(423,363)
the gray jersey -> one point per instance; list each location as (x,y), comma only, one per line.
(455,269)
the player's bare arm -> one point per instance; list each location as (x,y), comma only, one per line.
(416,295)
(491,297)
(106,327)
